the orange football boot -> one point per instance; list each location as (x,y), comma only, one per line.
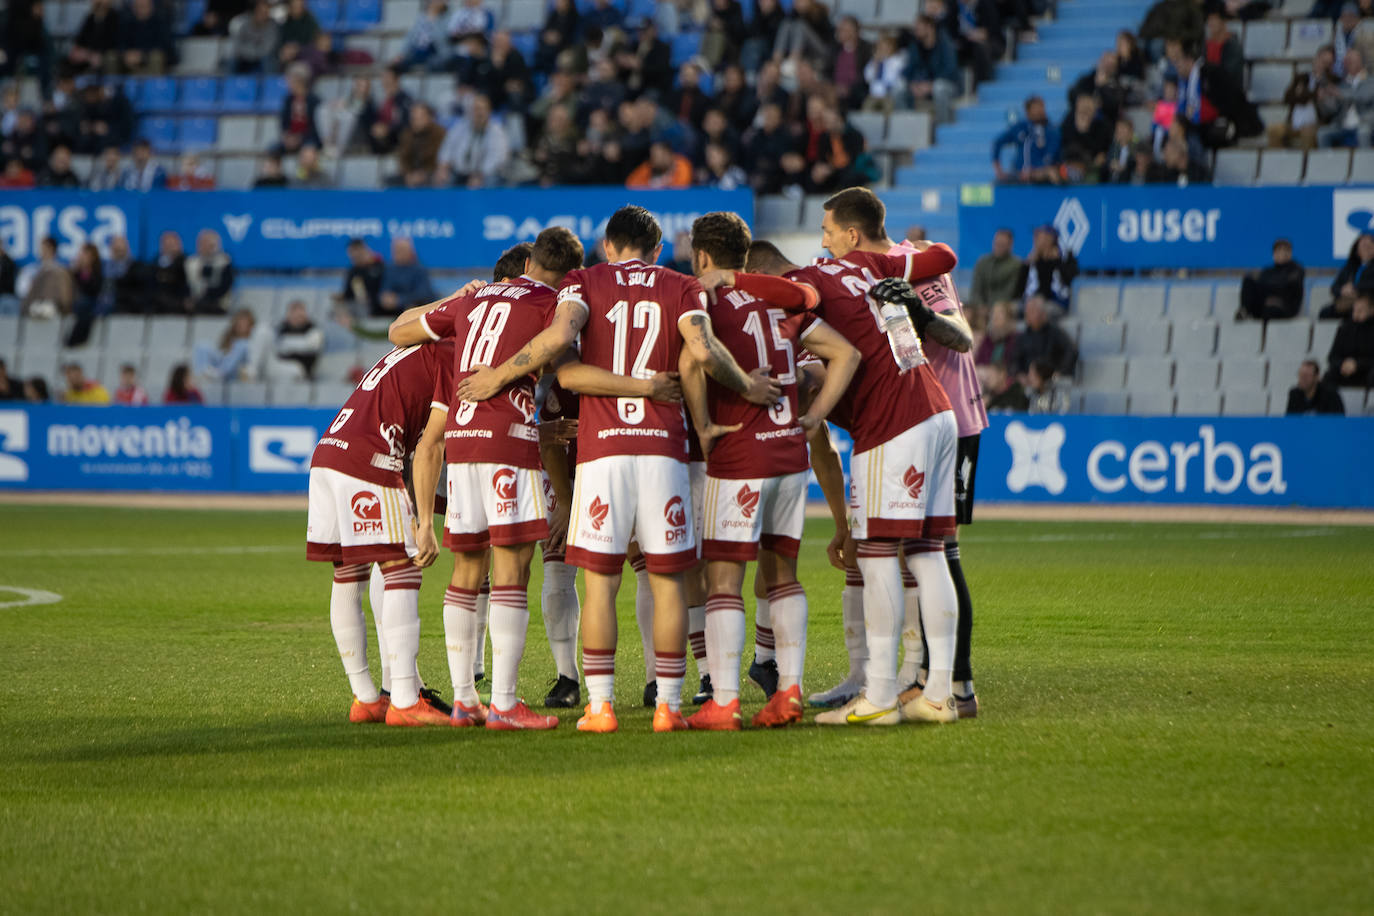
(468,716)
(713,717)
(783,709)
(375,711)
(667,720)
(601,720)
(412,716)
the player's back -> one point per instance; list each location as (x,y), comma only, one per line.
(881,401)
(633,309)
(770,441)
(379,425)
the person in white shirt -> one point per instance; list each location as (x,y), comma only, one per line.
(476,149)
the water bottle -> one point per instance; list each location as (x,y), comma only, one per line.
(901,337)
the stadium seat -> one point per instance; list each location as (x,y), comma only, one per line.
(1283,371)
(1235,166)
(360,15)
(1198,404)
(1243,372)
(9,337)
(1323,333)
(400,15)
(1096,300)
(1104,402)
(1268,81)
(1189,301)
(813,210)
(235,173)
(363,172)
(1226,297)
(331,394)
(1104,373)
(862,10)
(207,329)
(908,130)
(873,125)
(685,46)
(1142,120)
(1362,166)
(368,44)
(1282,337)
(1145,373)
(1239,338)
(1146,338)
(1244,403)
(246,394)
(124,335)
(523,15)
(777,213)
(269,131)
(160,132)
(1195,374)
(167,334)
(1353,398)
(158,93)
(326,13)
(41,334)
(1305,36)
(1327,166)
(1100,338)
(197,133)
(314,298)
(1142,300)
(334,368)
(192,11)
(238,134)
(240,93)
(198,55)
(289,394)
(200,94)
(1151,403)
(273,93)
(892,14)
(1265,39)
(1280,166)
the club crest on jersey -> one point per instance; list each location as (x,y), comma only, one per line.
(504,483)
(598,510)
(367,513)
(913,480)
(748,500)
(523,402)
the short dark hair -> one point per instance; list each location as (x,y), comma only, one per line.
(557,250)
(1316,366)
(1044,368)
(511,264)
(859,208)
(724,236)
(1002,229)
(128,367)
(765,258)
(634,228)
(1284,243)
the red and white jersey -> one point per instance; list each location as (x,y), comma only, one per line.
(955,371)
(633,309)
(882,401)
(382,420)
(488,327)
(769,442)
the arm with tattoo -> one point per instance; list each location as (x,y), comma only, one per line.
(486,382)
(706,351)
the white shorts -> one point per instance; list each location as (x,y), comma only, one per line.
(904,488)
(744,515)
(356,521)
(647,498)
(494,505)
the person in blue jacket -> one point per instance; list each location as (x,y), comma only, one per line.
(1036,144)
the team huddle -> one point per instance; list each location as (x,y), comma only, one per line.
(626,411)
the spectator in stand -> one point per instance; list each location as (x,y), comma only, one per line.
(417,155)
(50,291)
(1084,129)
(646,65)
(1178,20)
(504,76)
(1130,60)
(363,283)
(143,173)
(998,346)
(765,146)
(209,275)
(25,45)
(555,154)
(886,75)
(1350,364)
(88,284)
(214,23)
(471,19)
(167,292)
(310,173)
(9,275)
(1352,106)
(405,281)
(59,172)
(298,110)
(720,171)
(688,103)
(1351,32)
(393,115)
(1104,82)
(96,44)
(663,169)
(760,34)
(343,124)
(192,175)
(232,359)
(25,141)
(17,176)
(1120,162)
(805,32)
(1276,291)
(254,37)
(561,28)
(82,390)
(104,116)
(123,283)
(1312,396)
(427,45)
(715,128)
(297,33)
(476,151)
(1211,103)
(734,97)
(1355,278)
(60,114)
(1222,48)
(977,30)
(604,15)
(145,40)
(36,390)
(1048,271)
(1311,98)
(1044,394)
(1036,144)
(1042,339)
(270,174)
(932,69)
(298,340)
(130,393)
(1001,392)
(179,387)
(997,274)
(852,54)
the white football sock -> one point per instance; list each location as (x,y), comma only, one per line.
(724,645)
(670,668)
(558,600)
(696,636)
(852,614)
(912,651)
(401,611)
(940,617)
(644,616)
(788,604)
(376,583)
(460,639)
(598,667)
(479,664)
(765,640)
(882,572)
(510,618)
(350,629)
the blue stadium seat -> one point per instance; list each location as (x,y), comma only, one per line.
(240,94)
(198,133)
(160,132)
(360,15)
(200,94)
(158,93)
(191,12)
(273,94)
(526,43)
(685,46)
(327,12)
(641,10)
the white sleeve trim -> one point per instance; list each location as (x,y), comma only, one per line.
(701,312)
(438,405)
(424,323)
(818,323)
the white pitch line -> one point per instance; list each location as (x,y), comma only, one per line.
(1175,535)
(227,550)
(31,596)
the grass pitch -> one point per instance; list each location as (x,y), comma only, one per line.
(1176,719)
